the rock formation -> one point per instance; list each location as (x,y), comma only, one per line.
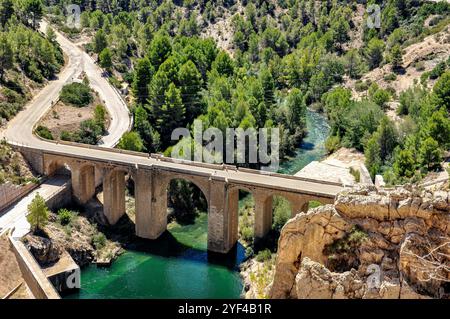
(388,243)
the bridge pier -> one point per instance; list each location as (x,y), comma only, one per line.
(83,182)
(113,195)
(222,217)
(263,214)
(151,205)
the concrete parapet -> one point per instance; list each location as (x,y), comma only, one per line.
(32,273)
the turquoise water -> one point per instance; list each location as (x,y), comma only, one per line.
(313,145)
(177,265)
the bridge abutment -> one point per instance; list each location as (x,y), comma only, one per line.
(114,195)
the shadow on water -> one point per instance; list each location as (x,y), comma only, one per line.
(176,265)
(307,146)
(168,246)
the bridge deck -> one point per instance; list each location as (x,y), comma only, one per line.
(246,178)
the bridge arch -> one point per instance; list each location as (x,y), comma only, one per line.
(241,202)
(184,197)
(55,167)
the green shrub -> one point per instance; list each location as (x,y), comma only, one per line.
(438,70)
(247,234)
(390,77)
(65,216)
(44,132)
(314,204)
(356,174)
(281,212)
(264,255)
(90,132)
(65,136)
(99,240)
(332,144)
(249,252)
(361,86)
(424,77)
(77,94)
(420,66)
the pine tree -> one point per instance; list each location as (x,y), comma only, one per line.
(396,57)
(37,213)
(172,113)
(100,42)
(374,52)
(105,59)
(190,81)
(6,55)
(430,153)
(160,50)
(143,72)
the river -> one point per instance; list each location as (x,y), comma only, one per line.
(177,265)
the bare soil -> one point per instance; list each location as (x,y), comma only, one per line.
(10,275)
(347,156)
(431,51)
(63,117)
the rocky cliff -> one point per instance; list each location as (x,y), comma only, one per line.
(370,244)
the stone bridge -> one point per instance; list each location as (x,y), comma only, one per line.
(94,166)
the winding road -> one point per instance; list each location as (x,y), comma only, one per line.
(19,130)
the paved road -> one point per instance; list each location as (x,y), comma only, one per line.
(19,129)
(15,215)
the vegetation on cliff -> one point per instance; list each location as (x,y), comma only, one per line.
(13,167)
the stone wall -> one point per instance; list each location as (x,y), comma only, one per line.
(33,156)
(32,273)
(10,193)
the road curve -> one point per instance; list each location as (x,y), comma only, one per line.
(20,129)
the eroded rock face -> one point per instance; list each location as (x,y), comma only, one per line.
(403,234)
(305,236)
(43,249)
(77,244)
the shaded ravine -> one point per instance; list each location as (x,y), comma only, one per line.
(177,265)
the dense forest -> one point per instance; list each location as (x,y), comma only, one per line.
(27,58)
(281,57)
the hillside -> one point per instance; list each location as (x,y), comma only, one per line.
(28,58)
